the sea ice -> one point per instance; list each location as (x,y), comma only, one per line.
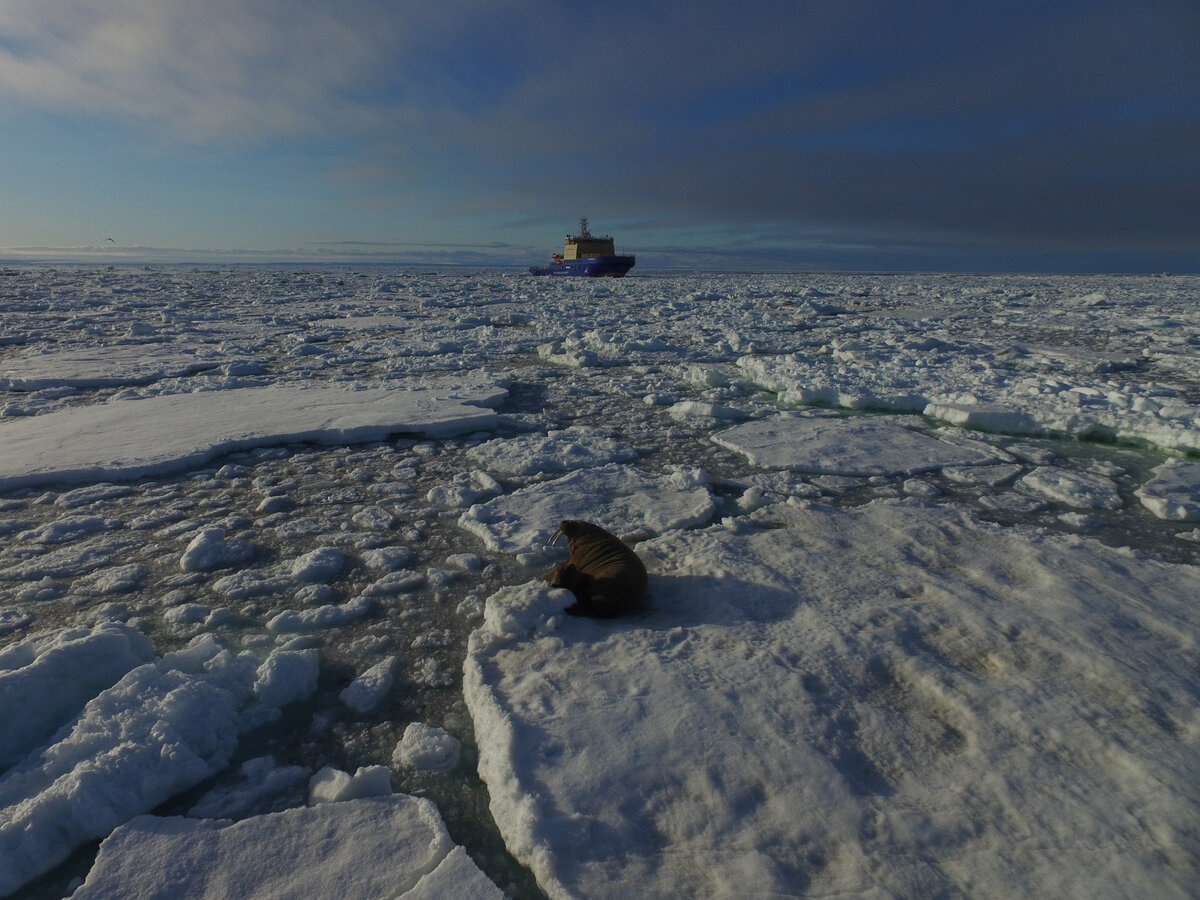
(46,680)
(976,382)
(14,618)
(1174,491)
(70,528)
(332,785)
(426,747)
(164,727)
(984,417)
(835,445)
(1082,490)
(394,846)
(259,779)
(617,497)
(211,549)
(331,615)
(128,364)
(171,432)
(863,701)
(456,876)
(552,453)
(320,565)
(371,688)
(820,697)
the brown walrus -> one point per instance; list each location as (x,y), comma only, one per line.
(603,573)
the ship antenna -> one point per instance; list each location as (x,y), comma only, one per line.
(583,227)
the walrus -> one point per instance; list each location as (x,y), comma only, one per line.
(603,573)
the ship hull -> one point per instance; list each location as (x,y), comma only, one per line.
(589,267)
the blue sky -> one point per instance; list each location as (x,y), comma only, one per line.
(1032,136)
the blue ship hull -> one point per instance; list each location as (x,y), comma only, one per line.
(589,266)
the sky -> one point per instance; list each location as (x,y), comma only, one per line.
(762,135)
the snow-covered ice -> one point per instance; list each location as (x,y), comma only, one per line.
(427,747)
(921,617)
(366,692)
(46,680)
(156,435)
(817,708)
(135,362)
(332,785)
(577,447)
(619,498)
(845,446)
(392,846)
(165,726)
(1174,491)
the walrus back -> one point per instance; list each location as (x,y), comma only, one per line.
(605,574)
(600,553)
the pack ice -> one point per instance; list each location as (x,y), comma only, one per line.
(165,726)
(921,618)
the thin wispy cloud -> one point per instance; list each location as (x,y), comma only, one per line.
(217,71)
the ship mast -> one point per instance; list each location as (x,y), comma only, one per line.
(583,227)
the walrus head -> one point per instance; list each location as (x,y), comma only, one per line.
(573,528)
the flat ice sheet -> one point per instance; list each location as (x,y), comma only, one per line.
(620,498)
(834,445)
(121,364)
(892,700)
(155,435)
(354,850)
(551,454)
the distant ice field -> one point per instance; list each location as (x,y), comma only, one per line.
(924,557)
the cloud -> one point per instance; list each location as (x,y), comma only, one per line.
(217,70)
(1073,124)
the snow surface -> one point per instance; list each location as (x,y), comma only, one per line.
(164,727)
(263,529)
(825,706)
(427,747)
(841,446)
(394,847)
(46,680)
(1174,491)
(157,435)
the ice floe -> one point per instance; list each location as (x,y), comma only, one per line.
(427,747)
(332,785)
(620,498)
(845,446)
(371,688)
(131,363)
(1174,491)
(839,707)
(163,727)
(559,451)
(394,846)
(167,433)
(46,680)
(1083,490)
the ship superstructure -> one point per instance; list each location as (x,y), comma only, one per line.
(586,254)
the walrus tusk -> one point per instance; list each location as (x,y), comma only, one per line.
(605,575)
(558,532)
